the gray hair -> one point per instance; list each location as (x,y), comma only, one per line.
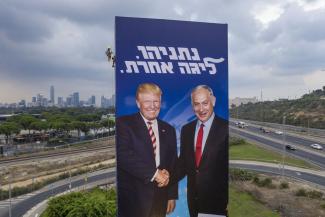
(202,86)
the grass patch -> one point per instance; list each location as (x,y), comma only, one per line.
(244,205)
(253,152)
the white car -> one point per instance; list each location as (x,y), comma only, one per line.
(278,132)
(316,146)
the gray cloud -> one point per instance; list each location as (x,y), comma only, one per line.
(45,41)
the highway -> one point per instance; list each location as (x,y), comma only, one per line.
(303,141)
(275,142)
(24,203)
(296,173)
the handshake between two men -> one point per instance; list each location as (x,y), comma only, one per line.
(162,177)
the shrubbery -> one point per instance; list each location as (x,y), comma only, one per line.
(284,185)
(240,175)
(311,194)
(267,182)
(99,203)
(236,141)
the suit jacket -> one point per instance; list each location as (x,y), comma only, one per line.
(207,185)
(136,166)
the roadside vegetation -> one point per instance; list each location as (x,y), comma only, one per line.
(97,202)
(307,111)
(241,150)
(252,194)
(17,191)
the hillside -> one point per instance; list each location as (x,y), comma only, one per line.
(307,111)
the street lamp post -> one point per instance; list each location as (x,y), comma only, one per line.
(70,184)
(10,194)
(283,142)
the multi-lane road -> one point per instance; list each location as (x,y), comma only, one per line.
(24,203)
(276,142)
(21,205)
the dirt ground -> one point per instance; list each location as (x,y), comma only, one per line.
(29,172)
(284,200)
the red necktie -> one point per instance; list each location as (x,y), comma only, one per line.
(152,136)
(198,146)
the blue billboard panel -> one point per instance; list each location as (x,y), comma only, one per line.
(176,56)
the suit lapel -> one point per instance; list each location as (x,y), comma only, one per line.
(142,132)
(162,143)
(192,143)
(213,134)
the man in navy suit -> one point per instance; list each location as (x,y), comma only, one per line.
(146,155)
(204,156)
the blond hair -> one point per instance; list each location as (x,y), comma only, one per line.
(148,88)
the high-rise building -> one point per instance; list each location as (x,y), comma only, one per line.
(75,99)
(52,95)
(39,99)
(93,100)
(69,101)
(60,102)
(113,100)
(22,104)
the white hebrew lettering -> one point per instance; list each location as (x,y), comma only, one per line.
(131,66)
(184,68)
(144,65)
(173,55)
(163,50)
(196,56)
(167,67)
(195,68)
(210,63)
(184,53)
(153,50)
(154,67)
(202,66)
(143,51)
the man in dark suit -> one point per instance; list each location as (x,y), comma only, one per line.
(146,154)
(204,156)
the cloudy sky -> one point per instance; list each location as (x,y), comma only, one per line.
(275,46)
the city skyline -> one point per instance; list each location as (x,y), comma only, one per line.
(60,100)
(275,47)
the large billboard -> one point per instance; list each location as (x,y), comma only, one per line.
(177,56)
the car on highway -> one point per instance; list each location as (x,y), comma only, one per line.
(264,130)
(290,147)
(241,124)
(278,132)
(316,146)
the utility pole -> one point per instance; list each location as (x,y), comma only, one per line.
(70,185)
(283,148)
(262,112)
(10,174)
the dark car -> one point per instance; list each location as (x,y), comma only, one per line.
(290,147)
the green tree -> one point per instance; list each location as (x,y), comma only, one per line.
(85,128)
(95,127)
(78,125)
(9,128)
(25,121)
